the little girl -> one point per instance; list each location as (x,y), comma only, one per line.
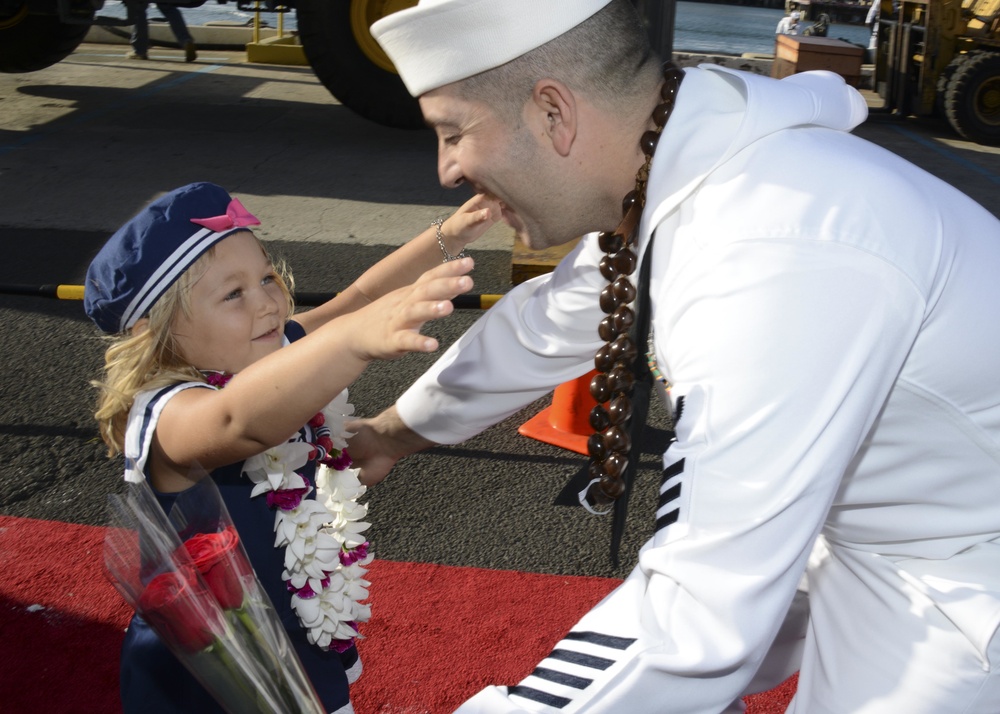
(210,369)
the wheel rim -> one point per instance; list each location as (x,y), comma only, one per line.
(12,20)
(366,12)
(987,102)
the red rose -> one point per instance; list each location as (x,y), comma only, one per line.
(221,563)
(179,611)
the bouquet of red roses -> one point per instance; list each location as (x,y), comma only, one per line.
(189,577)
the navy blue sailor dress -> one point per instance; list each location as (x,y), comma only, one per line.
(152,680)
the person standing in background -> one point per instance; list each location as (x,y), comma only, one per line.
(140,30)
(789,24)
(872,21)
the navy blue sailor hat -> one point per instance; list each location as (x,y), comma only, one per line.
(154,248)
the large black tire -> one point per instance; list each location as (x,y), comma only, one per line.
(29,43)
(349,63)
(943,80)
(972,100)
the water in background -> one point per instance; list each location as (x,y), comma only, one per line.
(738,29)
(698,27)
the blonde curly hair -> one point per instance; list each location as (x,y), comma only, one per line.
(148,357)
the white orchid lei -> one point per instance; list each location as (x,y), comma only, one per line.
(325,551)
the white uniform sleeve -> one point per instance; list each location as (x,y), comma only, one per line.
(781,353)
(539,335)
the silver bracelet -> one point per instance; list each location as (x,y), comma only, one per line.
(437,223)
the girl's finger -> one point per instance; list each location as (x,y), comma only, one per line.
(450,268)
(440,288)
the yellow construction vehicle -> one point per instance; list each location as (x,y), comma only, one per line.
(942,57)
(35,34)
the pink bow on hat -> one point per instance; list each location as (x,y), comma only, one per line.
(237,216)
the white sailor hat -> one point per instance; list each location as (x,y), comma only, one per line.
(443,41)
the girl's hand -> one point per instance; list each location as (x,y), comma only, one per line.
(390,327)
(469,222)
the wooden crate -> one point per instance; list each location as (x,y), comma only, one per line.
(527,263)
(793,54)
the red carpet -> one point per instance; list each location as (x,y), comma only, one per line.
(438,634)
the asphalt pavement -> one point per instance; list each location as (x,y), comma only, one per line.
(84,144)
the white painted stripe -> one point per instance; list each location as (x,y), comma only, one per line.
(164,276)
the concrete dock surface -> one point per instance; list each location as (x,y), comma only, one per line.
(85,143)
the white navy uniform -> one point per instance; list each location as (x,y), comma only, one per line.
(827,314)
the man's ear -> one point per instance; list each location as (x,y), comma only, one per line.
(557,105)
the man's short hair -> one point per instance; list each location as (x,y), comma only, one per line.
(607,57)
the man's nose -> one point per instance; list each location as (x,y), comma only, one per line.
(449,173)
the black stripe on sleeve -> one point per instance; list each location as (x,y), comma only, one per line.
(584,660)
(675,468)
(667,519)
(596,638)
(539,696)
(671,494)
(567,680)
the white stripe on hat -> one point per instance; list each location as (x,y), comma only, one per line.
(176,263)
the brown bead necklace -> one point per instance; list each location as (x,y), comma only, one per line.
(612,386)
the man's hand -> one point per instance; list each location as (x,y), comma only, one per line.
(380,442)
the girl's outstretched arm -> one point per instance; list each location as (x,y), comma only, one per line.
(409,261)
(267,402)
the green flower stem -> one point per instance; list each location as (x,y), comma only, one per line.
(234,680)
(265,654)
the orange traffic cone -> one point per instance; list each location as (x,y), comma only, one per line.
(567,422)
